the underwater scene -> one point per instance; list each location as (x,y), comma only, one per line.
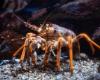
(49,39)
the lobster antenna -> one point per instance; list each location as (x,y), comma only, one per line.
(27,25)
(45,20)
(19,18)
(50,14)
(18,39)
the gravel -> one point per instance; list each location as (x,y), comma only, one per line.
(83,70)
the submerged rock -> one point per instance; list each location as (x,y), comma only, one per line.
(82,9)
(96,38)
(10,41)
(83,70)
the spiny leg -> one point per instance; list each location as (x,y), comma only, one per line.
(92,47)
(31,51)
(46,55)
(18,50)
(70,46)
(91,42)
(52,51)
(34,57)
(30,47)
(78,45)
(23,54)
(27,56)
(60,41)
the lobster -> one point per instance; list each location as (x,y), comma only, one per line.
(53,37)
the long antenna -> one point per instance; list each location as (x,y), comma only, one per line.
(28,25)
(50,14)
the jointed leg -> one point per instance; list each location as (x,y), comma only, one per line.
(32,55)
(46,55)
(91,42)
(70,46)
(78,46)
(30,47)
(23,54)
(52,51)
(18,50)
(27,57)
(60,41)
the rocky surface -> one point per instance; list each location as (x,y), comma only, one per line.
(83,70)
(82,8)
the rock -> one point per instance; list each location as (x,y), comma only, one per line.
(82,9)
(96,34)
(96,38)
(59,77)
(83,56)
(10,42)
(99,68)
(83,70)
(94,77)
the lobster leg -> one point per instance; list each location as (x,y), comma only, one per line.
(70,46)
(46,55)
(27,56)
(23,54)
(30,47)
(60,41)
(91,42)
(78,46)
(33,56)
(18,50)
(92,48)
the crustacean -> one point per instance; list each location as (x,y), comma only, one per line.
(54,37)
(63,37)
(32,42)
